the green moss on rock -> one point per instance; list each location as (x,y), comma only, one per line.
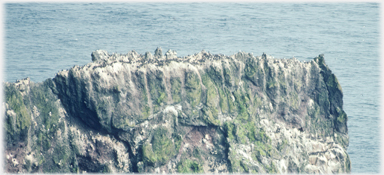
(189,166)
(149,156)
(235,162)
(61,155)
(223,101)
(348,164)
(157,90)
(271,168)
(22,121)
(143,97)
(244,167)
(216,92)
(242,102)
(342,116)
(230,131)
(211,91)
(176,89)
(241,134)
(271,84)
(251,70)
(210,116)
(161,148)
(177,139)
(192,88)
(333,83)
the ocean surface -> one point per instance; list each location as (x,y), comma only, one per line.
(44,38)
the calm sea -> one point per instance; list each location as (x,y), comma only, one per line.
(44,38)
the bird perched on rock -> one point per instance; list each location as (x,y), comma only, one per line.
(148,56)
(99,55)
(264,56)
(170,54)
(158,52)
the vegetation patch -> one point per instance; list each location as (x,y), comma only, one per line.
(177,138)
(145,109)
(244,167)
(282,145)
(189,166)
(271,168)
(250,127)
(242,103)
(333,83)
(61,155)
(262,148)
(348,164)
(44,100)
(176,89)
(161,148)
(22,121)
(210,116)
(235,162)
(251,70)
(157,90)
(272,84)
(192,88)
(230,131)
(223,101)
(241,134)
(342,117)
(211,91)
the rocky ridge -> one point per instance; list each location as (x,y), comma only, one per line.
(163,113)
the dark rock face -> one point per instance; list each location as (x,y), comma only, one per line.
(201,113)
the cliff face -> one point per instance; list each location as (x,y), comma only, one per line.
(161,113)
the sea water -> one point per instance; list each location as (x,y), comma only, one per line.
(44,38)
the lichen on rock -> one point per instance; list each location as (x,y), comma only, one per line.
(203,113)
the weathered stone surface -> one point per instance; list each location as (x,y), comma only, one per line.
(170,54)
(99,55)
(201,113)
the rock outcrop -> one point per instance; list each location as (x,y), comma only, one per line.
(162,113)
